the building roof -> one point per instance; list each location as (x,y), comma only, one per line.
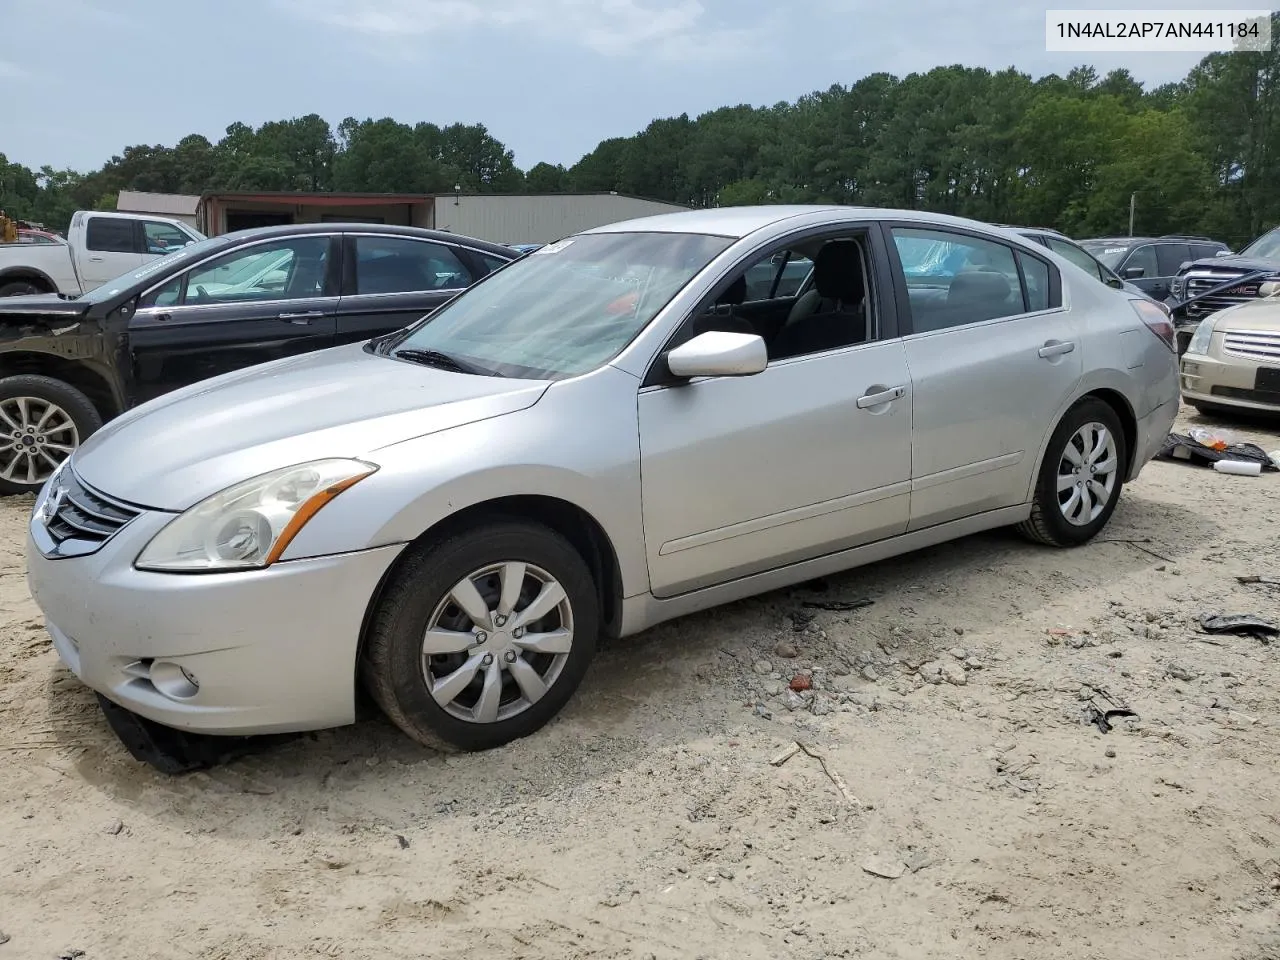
(172,204)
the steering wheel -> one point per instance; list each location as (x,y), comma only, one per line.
(201,292)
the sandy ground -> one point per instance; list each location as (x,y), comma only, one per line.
(648,820)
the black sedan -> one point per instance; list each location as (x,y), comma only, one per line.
(69,364)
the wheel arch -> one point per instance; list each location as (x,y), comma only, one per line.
(89,381)
(30,275)
(1118,402)
(579,527)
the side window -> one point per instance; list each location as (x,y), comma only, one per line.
(162,237)
(1144,257)
(836,311)
(1205,251)
(111,235)
(1170,256)
(403,265)
(1069,251)
(1035,272)
(283,270)
(492,263)
(954,280)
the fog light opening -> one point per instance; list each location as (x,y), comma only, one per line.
(173,681)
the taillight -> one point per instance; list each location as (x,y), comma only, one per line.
(1157,321)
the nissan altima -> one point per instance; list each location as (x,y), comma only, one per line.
(603,435)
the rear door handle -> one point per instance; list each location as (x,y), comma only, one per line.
(96,259)
(881,398)
(1055,348)
(301,319)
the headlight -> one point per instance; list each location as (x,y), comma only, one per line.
(1201,338)
(1176,285)
(249,525)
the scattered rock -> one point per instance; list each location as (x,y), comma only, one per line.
(958,652)
(403,841)
(869,674)
(725,873)
(973,663)
(794,701)
(821,706)
(331,861)
(114,827)
(959,631)
(763,667)
(1179,672)
(931,672)
(1111,753)
(917,860)
(763,712)
(891,868)
(4,938)
(954,674)
(786,650)
(71,954)
(773,688)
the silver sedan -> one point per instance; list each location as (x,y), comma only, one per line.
(603,435)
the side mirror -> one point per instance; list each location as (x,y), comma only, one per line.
(1133,273)
(1269,289)
(1115,283)
(719,354)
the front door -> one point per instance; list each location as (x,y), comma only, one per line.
(810,456)
(112,248)
(391,282)
(993,359)
(257,303)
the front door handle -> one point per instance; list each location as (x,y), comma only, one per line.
(301,319)
(881,397)
(1055,348)
(95,259)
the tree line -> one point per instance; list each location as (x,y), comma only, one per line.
(1201,155)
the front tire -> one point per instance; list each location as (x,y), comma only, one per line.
(482,636)
(1081,477)
(42,421)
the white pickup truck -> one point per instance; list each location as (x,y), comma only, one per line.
(99,247)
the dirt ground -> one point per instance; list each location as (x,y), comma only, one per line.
(648,820)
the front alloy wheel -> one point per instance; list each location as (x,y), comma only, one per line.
(482,634)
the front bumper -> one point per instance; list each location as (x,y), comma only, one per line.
(1206,379)
(270,651)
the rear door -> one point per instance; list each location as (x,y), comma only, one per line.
(993,358)
(262,301)
(112,247)
(391,281)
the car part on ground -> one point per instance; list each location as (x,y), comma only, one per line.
(603,435)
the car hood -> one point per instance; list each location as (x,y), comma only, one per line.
(1235,262)
(41,305)
(1261,314)
(178,449)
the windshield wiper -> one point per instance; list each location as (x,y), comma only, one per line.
(445,361)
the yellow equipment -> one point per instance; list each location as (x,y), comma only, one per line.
(8,229)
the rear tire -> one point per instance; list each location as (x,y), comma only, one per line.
(1080,478)
(507,673)
(20,288)
(42,421)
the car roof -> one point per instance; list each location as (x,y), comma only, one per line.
(738,222)
(420,233)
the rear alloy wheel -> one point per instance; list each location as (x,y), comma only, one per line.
(42,421)
(482,637)
(1080,479)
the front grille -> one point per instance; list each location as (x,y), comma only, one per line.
(1201,281)
(83,514)
(1257,344)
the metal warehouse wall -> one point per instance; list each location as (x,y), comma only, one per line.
(538,219)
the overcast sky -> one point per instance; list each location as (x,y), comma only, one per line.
(81,79)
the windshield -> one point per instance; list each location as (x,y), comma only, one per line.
(1109,253)
(566,308)
(1266,247)
(176,261)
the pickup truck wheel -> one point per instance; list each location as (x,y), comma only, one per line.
(42,420)
(20,288)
